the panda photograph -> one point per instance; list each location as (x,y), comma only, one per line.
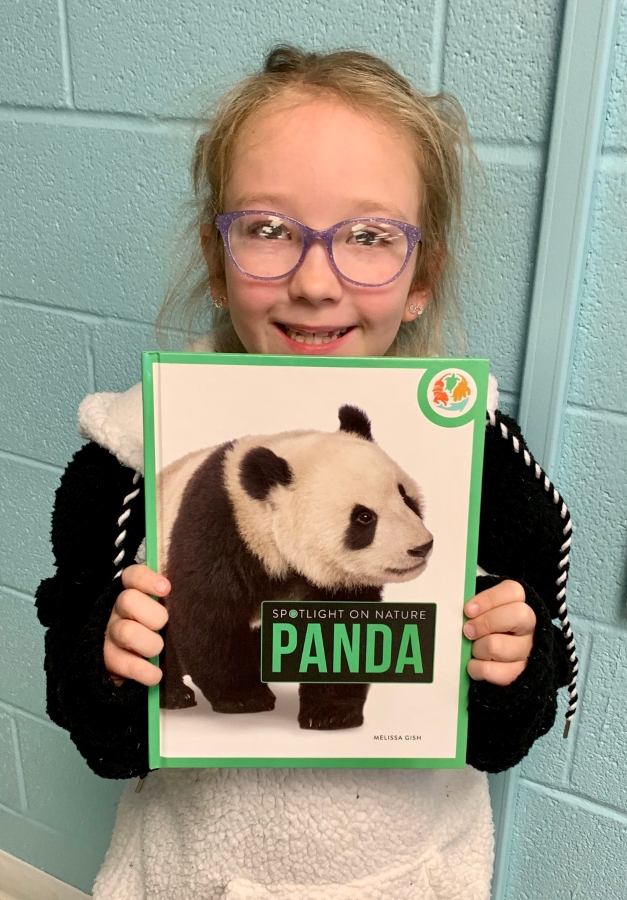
(299,515)
(305,492)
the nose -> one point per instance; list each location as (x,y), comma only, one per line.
(421,552)
(315,280)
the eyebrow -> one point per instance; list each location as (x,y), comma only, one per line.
(276,203)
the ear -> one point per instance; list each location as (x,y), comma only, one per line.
(420,293)
(417,299)
(355,421)
(261,470)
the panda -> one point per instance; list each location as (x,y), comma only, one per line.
(300,515)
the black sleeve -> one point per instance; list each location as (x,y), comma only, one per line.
(522,535)
(108,724)
(504,722)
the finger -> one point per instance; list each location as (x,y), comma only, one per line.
(515,618)
(498,595)
(122,664)
(503,647)
(133,604)
(145,580)
(501,673)
(130,635)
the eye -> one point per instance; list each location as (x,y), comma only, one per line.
(362,528)
(409,501)
(361,515)
(370,235)
(273,229)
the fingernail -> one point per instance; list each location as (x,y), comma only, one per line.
(162,584)
(469,630)
(472,609)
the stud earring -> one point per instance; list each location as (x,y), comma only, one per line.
(415,310)
(221,302)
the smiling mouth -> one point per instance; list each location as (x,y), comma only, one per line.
(303,336)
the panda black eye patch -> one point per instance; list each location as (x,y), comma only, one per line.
(361,528)
(409,501)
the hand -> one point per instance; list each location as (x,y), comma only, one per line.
(501,627)
(133,623)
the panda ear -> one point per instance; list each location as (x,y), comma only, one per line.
(261,470)
(355,421)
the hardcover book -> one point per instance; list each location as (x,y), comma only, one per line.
(318,521)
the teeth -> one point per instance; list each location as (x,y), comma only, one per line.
(307,337)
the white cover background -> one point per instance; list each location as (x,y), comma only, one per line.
(200,406)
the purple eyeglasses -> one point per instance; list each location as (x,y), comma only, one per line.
(368,252)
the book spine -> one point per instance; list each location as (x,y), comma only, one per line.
(149,383)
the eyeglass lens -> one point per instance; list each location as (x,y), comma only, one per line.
(365,251)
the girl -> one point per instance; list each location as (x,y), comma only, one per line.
(313,139)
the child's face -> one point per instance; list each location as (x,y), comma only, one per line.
(320,162)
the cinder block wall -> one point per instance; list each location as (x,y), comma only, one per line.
(95,135)
(570,835)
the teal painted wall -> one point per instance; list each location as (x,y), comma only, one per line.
(570,832)
(95,101)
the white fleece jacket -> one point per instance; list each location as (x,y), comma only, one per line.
(289,834)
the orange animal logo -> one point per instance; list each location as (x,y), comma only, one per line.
(451,391)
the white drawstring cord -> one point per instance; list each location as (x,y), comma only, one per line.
(562,566)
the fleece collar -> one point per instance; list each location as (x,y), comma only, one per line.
(115,422)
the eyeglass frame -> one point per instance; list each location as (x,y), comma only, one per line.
(223,223)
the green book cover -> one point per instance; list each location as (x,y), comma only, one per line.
(318,519)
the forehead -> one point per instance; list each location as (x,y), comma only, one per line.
(328,461)
(321,157)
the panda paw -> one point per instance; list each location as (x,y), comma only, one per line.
(181,697)
(331,720)
(261,700)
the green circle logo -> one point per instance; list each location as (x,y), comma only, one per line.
(447,396)
(293,613)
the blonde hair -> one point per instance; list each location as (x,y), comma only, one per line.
(437,130)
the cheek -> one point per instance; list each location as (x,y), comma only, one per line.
(382,307)
(250,303)
(246,296)
(381,318)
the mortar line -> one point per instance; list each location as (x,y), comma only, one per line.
(15,592)
(21,784)
(29,819)
(608,629)
(109,119)
(32,462)
(580,801)
(66,57)
(507,153)
(438,44)
(613,159)
(14,710)
(509,394)
(91,365)
(73,313)
(88,318)
(583,409)
(512,143)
